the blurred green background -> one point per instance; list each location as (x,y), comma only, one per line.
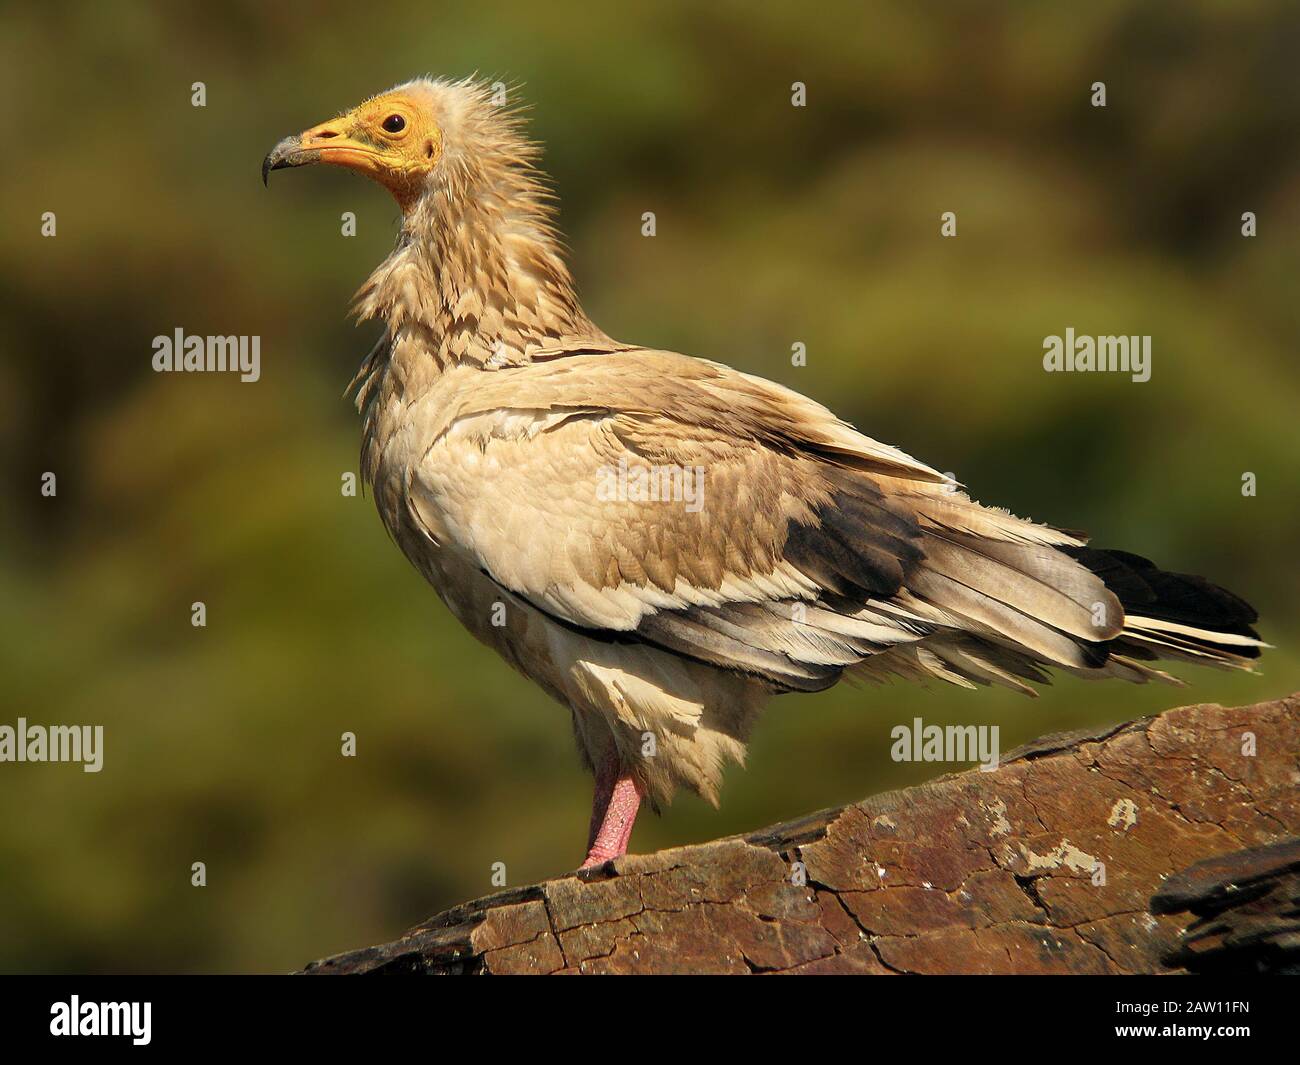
(775,225)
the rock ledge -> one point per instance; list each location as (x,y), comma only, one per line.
(1047,865)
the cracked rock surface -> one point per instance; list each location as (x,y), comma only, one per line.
(1047,865)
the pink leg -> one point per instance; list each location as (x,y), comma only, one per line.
(606,774)
(613,813)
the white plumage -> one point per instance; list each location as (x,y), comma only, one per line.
(494,410)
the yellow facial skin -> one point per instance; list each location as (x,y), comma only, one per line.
(391,139)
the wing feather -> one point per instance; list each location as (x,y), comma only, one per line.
(811,550)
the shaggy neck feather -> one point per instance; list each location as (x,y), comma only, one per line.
(477,276)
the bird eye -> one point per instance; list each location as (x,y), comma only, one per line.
(394,124)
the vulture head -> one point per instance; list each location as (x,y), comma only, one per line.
(411,139)
(479,265)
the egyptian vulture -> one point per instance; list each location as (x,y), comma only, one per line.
(661,542)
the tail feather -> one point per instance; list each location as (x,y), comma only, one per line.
(1174,615)
(989,612)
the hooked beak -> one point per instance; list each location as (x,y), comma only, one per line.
(289,152)
(325,143)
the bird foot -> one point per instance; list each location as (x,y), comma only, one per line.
(613,815)
(595,858)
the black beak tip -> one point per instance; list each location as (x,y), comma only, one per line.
(287,153)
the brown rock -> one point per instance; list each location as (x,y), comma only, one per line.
(1047,865)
